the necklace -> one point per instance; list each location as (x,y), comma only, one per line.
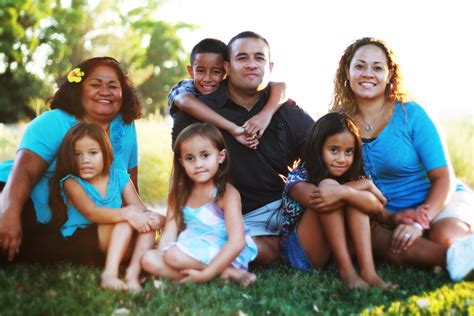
(369,127)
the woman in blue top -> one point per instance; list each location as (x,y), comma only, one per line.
(404,155)
(96,91)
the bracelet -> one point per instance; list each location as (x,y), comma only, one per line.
(417,225)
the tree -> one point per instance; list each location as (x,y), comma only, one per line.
(41,40)
(20,89)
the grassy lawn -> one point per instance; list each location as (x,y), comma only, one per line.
(66,290)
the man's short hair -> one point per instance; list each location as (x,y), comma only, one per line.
(245,34)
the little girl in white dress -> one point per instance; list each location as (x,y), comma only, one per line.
(205,210)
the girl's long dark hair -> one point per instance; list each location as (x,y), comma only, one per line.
(67,164)
(180,184)
(329,125)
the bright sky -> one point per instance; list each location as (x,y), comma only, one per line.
(433,41)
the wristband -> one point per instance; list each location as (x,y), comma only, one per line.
(417,225)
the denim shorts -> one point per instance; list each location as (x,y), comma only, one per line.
(293,255)
(265,220)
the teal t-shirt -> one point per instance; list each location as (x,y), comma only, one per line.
(44,135)
(118,180)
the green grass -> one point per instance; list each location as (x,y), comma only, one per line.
(68,290)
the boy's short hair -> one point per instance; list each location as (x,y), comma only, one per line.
(211,46)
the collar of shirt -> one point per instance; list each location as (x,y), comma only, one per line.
(220,97)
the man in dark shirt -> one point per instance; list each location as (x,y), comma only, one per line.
(256,173)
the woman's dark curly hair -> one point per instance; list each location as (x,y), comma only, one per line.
(69,95)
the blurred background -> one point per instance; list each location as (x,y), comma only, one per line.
(41,41)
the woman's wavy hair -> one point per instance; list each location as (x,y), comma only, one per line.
(343,98)
(181,185)
(66,163)
(328,125)
(69,95)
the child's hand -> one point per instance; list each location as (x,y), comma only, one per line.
(257,124)
(195,276)
(378,194)
(326,198)
(137,219)
(250,141)
(155,220)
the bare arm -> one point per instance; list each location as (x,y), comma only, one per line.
(170,232)
(259,123)
(130,197)
(364,195)
(188,103)
(234,223)
(442,187)
(304,193)
(26,172)
(134,177)
(104,215)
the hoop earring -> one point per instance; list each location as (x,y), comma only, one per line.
(346,83)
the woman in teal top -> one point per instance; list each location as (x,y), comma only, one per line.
(404,155)
(96,91)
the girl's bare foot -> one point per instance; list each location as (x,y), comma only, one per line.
(354,281)
(111,282)
(374,280)
(134,286)
(239,276)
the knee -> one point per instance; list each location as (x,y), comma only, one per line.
(327,182)
(446,231)
(152,262)
(174,258)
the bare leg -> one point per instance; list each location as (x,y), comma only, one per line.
(239,276)
(359,228)
(119,240)
(423,252)
(312,239)
(333,224)
(153,261)
(144,242)
(447,230)
(268,250)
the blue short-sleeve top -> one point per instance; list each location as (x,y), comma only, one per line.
(118,180)
(44,135)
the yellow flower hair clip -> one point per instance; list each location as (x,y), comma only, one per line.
(75,75)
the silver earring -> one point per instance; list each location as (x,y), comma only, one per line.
(346,83)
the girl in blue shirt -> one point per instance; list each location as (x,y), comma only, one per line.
(84,187)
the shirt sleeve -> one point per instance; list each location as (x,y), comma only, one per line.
(297,175)
(181,87)
(45,133)
(427,140)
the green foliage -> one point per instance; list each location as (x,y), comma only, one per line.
(67,290)
(20,38)
(42,40)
